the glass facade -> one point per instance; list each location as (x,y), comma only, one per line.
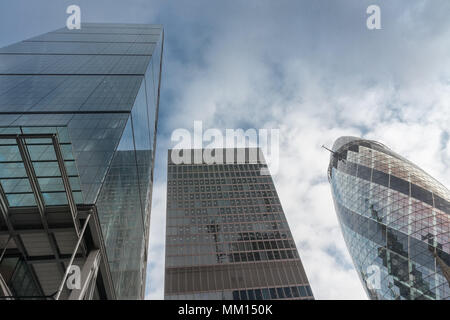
(227,237)
(97,88)
(395,219)
(13,176)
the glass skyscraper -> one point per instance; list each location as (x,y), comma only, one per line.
(395,219)
(227,236)
(97,90)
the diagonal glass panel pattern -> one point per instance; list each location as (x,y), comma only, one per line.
(395,218)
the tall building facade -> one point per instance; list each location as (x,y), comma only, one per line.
(96,90)
(227,237)
(395,219)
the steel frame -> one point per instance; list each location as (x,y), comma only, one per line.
(87,211)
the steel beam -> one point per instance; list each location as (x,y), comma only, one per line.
(36,229)
(29,169)
(66,182)
(80,238)
(4,248)
(5,289)
(38,221)
(88,277)
(4,211)
(51,259)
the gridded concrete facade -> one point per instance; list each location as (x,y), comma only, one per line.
(97,89)
(227,236)
(395,219)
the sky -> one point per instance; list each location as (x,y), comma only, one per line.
(311,69)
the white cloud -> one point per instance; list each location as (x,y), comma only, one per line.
(310,68)
(316,77)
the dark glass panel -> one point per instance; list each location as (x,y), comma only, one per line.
(287,292)
(397,241)
(380,178)
(365,144)
(354,148)
(280,293)
(421,194)
(399,185)
(273,293)
(347,167)
(441,204)
(364,172)
(258,294)
(303,292)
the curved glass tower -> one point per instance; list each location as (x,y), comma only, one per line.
(395,219)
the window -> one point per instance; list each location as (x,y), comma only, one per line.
(273,293)
(280,293)
(354,148)
(364,172)
(380,178)
(399,185)
(442,204)
(421,194)
(347,167)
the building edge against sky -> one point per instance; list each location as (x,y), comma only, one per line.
(395,219)
(97,89)
(227,237)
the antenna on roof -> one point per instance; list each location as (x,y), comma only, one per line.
(336,154)
(323,146)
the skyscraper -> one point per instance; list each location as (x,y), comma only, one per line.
(95,92)
(395,219)
(227,236)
